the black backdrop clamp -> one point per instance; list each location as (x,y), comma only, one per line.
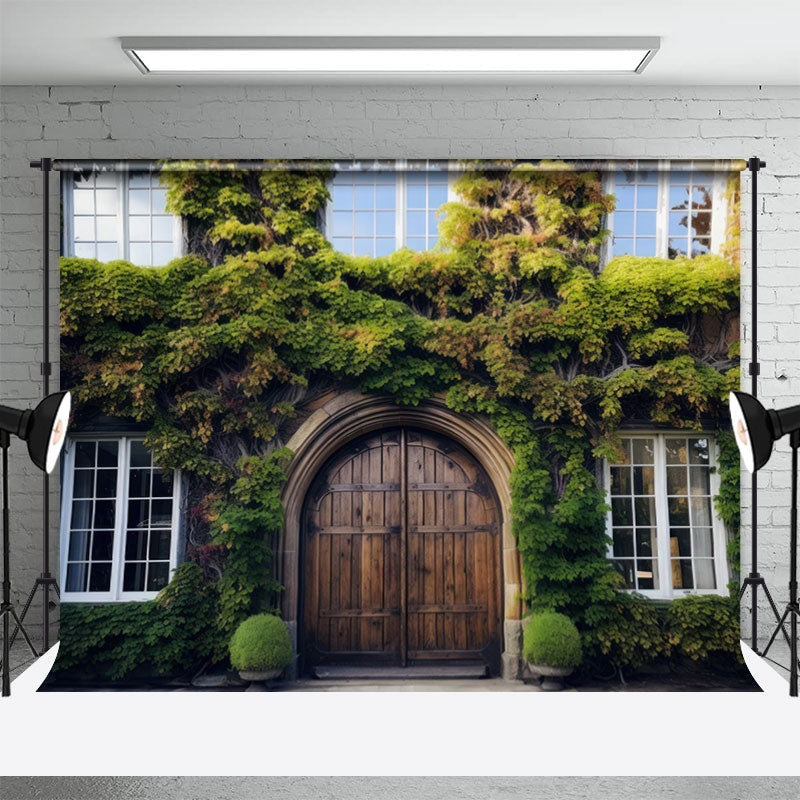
(46,582)
(755,579)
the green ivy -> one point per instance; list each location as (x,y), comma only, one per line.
(511,318)
(702,625)
(171,633)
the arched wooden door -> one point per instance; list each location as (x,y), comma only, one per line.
(401,555)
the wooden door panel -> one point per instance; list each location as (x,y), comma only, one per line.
(366,517)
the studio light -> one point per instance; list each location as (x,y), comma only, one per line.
(756,430)
(386,55)
(44,430)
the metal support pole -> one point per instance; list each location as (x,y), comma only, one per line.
(754,580)
(45,581)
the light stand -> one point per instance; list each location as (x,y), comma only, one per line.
(756,430)
(6,609)
(44,430)
(792,609)
(45,581)
(754,579)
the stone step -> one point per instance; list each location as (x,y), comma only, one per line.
(415,672)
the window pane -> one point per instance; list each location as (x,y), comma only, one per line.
(645,508)
(139,201)
(623,542)
(365,198)
(83,483)
(84,454)
(138,513)
(385,197)
(384,247)
(79,545)
(699,480)
(416,197)
(678,511)
(625,197)
(159,200)
(647,198)
(107,229)
(107,454)
(342,197)
(643,480)
(626,569)
(623,223)
(703,540)
(384,223)
(416,223)
(623,247)
(102,545)
(81,514)
(84,229)
(140,455)
(104,513)
(162,483)
(621,511)
(645,223)
(136,546)
(705,577)
(107,252)
(682,574)
(676,451)
(680,542)
(77,575)
(163,229)
(85,251)
(647,573)
(676,480)
(437,196)
(161,513)
(645,247)
(133,578)
(365,223)
(106,202)
(139,229)
(642,451)
(646,541)
(620,480)
(83,201)
(342,223)
(701,511)
(100,577)
(159,545)
(157,576)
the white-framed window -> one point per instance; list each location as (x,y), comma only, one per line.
(666,209)
(119,521)
(379,207)
(120,215)
(666,539)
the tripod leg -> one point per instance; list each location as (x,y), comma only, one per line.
(25,609)
(777,615)
(778,627)
(24,633)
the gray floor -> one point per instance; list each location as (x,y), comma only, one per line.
(241,788)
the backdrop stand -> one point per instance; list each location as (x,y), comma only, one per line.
(792,608)
(46,582)
(7,609)
(754,578)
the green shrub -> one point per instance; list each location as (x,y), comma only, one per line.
(699,625)
(173,632)
(553,640)
(261,643)
(628,633)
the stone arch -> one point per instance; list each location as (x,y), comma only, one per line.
(346,417)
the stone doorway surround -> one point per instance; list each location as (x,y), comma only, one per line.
(349,415)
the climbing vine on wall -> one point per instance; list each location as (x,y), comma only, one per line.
(511,318)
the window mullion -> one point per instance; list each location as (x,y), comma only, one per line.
(66,503)
(662,516)
(118,555)
(662,216)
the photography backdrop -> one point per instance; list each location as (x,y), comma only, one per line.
(271,360)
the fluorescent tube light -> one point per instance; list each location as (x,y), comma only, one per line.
(387,55)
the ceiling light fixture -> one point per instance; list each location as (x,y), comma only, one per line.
(391,54)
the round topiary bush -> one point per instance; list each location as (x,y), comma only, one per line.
(261,643)
(552,640)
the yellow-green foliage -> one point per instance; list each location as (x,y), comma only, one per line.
(552,640)
(261,643)
(512,318)
(701,625)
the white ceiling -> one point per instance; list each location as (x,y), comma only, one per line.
(703,41)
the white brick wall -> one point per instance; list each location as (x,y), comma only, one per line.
(426,121)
